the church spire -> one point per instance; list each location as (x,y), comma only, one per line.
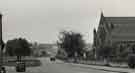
(102,14)
(101,17)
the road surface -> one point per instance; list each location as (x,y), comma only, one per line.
(57,67)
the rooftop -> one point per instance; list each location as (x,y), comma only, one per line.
(124,27)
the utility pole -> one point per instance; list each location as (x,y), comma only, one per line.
(1,46)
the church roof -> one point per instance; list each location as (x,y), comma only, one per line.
(120,20)
(124,28)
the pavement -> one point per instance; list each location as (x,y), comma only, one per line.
(101,63)
(61,67)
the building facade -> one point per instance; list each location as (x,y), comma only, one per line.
(117,32)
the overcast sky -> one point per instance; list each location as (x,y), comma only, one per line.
(41,20)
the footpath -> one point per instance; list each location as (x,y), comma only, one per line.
(101,63)
(106,68)
(114,68)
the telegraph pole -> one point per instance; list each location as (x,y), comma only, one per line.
(1,45)
(0,40)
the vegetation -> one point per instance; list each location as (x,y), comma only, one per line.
(106,51)
(18,47)
(72,43)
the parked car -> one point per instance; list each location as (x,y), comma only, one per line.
(20,66)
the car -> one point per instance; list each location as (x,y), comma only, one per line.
(3,70)
(20,66)
(52,59)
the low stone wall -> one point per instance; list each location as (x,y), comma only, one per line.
(30,61)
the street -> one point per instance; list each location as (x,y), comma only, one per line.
(57,67)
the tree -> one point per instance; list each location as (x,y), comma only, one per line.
(72,43)
(18,47)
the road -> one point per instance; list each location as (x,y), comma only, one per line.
(57,67)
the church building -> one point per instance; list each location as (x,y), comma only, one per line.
(114,32)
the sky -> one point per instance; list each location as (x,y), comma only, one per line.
(42,20)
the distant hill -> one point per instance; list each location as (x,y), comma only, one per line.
(52,49)
(49,48)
